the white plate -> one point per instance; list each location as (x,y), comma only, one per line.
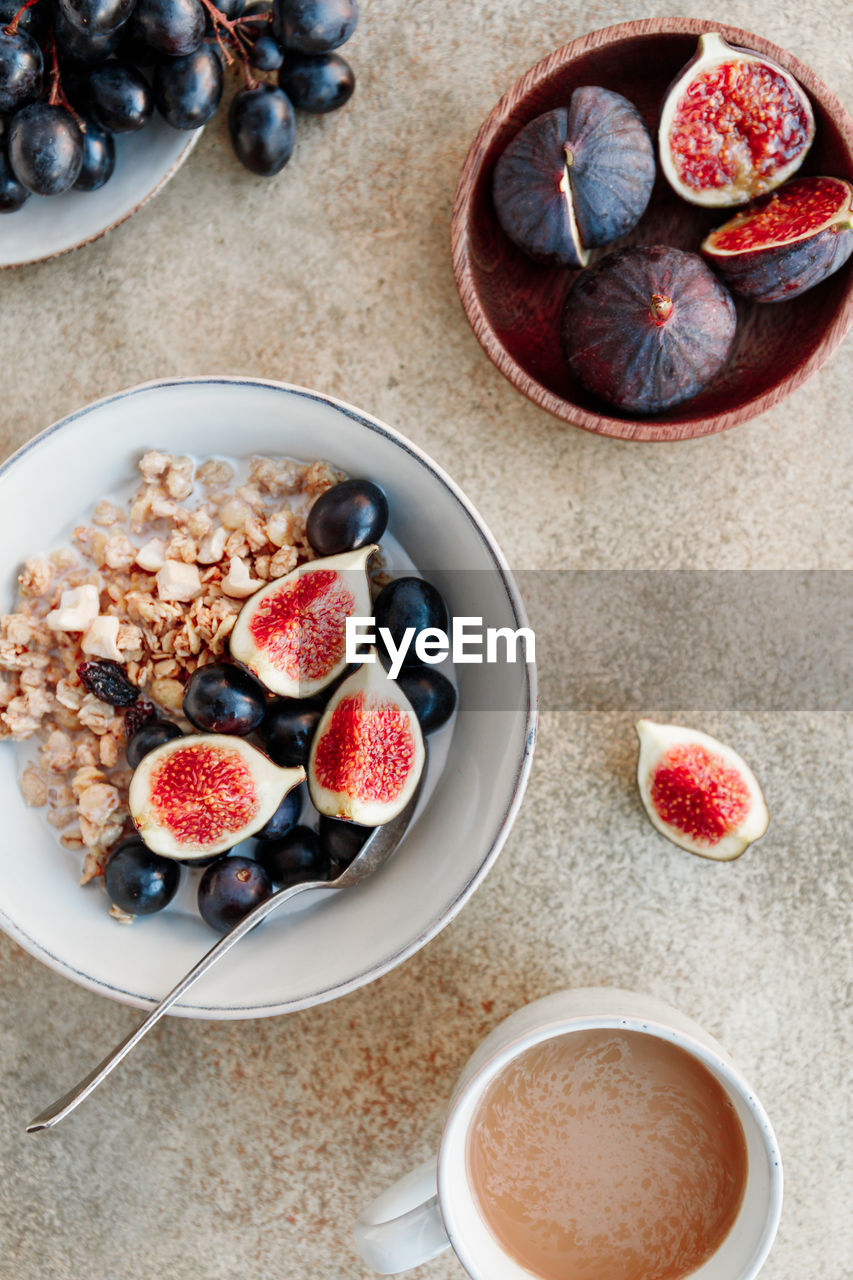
(45,227)
(347,939)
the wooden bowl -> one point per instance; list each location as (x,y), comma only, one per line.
(514,304)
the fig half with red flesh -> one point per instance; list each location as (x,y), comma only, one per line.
(698,792)
(199,795)
(646,328)
(733,126)
(368,753)
(575,178)
(292,633)
(785,242)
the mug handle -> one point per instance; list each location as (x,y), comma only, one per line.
(402,1227)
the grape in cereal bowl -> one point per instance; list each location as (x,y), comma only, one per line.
(155,677)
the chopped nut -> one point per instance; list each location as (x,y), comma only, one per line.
(238,582)
(178,581)
(152,555)
(77,608)
(212,546)
(101,638)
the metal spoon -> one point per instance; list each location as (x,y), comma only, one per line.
(377,849)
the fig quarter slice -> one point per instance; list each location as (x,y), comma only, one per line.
(292,633)
(734,125)
(698,792)
(368,752)
(786,242)
(199,795)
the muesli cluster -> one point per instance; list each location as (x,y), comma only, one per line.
(156,587)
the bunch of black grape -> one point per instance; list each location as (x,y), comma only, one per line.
(74,73)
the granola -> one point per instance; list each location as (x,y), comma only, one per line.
(156,586)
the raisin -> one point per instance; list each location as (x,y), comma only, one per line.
(138,715)
(107,680)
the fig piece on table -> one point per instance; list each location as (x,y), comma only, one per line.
(698,792)
(575,178)
(200,795)
(368,753)
(733,125)
(647,328)
(785,242)
(292,632)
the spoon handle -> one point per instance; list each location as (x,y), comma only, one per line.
(59,1109)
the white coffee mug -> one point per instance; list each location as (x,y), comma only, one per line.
(433,1208)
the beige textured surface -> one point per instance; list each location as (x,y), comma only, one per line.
(227,1151)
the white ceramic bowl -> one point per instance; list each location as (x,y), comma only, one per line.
(47,226)
(346,939)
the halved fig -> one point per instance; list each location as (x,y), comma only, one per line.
(575,178)
(785,242)
(647,327)
(200,795)
(698,792)
(292,633)
(368,753)
(734,125)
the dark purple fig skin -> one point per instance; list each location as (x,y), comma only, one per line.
(786,271)
(530,205)
(613,165)
(602,139)
(614,347)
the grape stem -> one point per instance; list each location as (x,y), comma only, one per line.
(224,29)
(11,29)
(57,93)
